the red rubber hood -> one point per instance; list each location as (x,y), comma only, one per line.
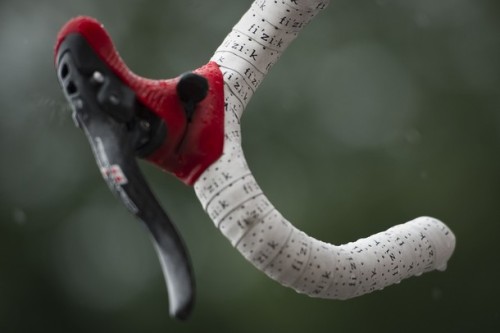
(190,147)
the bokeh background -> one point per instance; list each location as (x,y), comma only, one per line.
(381,111)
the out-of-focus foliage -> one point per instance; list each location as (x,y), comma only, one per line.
(381,111)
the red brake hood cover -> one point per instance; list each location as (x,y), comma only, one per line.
(190,147)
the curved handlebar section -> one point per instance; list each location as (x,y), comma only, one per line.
(234,201)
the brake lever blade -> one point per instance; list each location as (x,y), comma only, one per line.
(122,174)
(110,116)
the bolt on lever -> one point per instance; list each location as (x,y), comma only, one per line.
(119,129)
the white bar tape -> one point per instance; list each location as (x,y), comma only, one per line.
(234,201)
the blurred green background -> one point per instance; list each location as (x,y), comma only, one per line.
(381,111)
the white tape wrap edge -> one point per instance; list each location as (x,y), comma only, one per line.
(234,201)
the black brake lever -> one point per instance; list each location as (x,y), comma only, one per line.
(119,129)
